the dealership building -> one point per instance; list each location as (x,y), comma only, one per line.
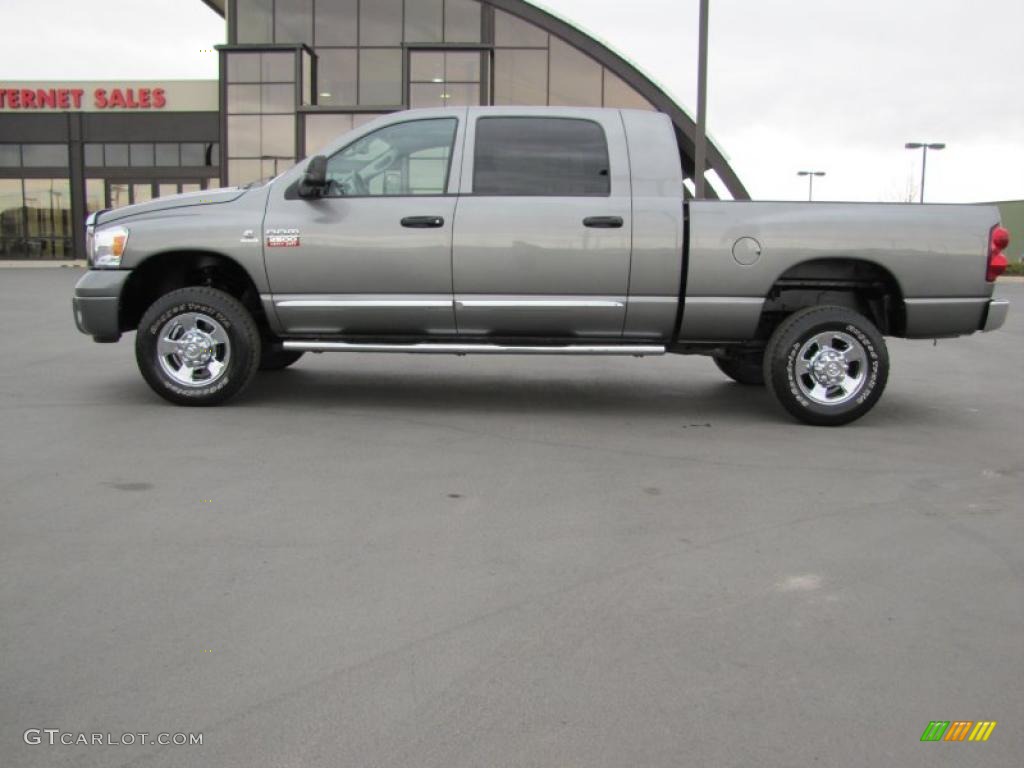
(294,74)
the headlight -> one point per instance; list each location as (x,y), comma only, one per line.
(106,247)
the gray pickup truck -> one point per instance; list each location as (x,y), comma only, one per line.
(531,231)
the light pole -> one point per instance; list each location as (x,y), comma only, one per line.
(810,181)
(925,146)
(700,140)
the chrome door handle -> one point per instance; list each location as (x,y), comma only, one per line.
(603,222)
(422,222)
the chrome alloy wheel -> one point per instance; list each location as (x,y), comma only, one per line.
(193,349)
(831,368)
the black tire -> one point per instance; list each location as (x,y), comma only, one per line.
(861,360)
(273,358)
(220,316)
(746,368)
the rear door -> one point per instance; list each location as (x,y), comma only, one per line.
(543,226)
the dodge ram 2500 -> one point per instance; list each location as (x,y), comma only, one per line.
(531,231)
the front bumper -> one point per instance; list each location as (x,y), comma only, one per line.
(97,301)
(995,316)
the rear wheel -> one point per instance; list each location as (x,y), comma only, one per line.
(826,365)
(197,346)
(744,368)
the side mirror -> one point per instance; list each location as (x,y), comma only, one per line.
(314,181)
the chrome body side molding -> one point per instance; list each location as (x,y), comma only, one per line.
(441,348)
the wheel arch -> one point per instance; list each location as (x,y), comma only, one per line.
(169,270)
(854,282)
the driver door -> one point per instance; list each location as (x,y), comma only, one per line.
(372,256)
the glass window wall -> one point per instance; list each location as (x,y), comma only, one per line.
(337,22)
(444,79)
(359,61)
(380,22)
(261,104)
(336,77)
(424,21)
(255,21)
(380,77)
(35,219)
(293,21)
(10,155)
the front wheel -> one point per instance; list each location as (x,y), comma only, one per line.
(826,365)
(197,346)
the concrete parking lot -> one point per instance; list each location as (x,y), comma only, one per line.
(419,561)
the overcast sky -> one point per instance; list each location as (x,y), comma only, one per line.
(836,85)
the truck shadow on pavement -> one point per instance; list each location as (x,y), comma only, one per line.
(493,393)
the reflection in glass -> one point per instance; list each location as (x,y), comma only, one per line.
(424,95)
(166,154)
(12,221)
(141,154)
(243,99)
(424,21)
(441,79)
(336,22)
(293,21)
(47,218)
(512,31)
(243,67)
(142,193)
(404,159)
(358,121)
(426,67)
(116,155)
(380,77)
(520,77)
(10,155)
(575,77)
(166,190)
(190,188)
(322,130)
(336,77)
(119,195)
(193,154)
(462,67)
(243,171)
(380,22)
(462,21)
(278,98)
(307,77)
(44,155)
(254,19)
(277,136)
(95,197)
(243,136)
(94,155)
(277,67)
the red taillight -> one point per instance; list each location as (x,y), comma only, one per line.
(998,242)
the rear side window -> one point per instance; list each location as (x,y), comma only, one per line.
(540,157)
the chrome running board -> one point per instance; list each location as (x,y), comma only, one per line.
(635,350)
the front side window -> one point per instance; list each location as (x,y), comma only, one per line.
(540,157)
(405,159)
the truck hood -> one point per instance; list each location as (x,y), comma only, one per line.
(187,200)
